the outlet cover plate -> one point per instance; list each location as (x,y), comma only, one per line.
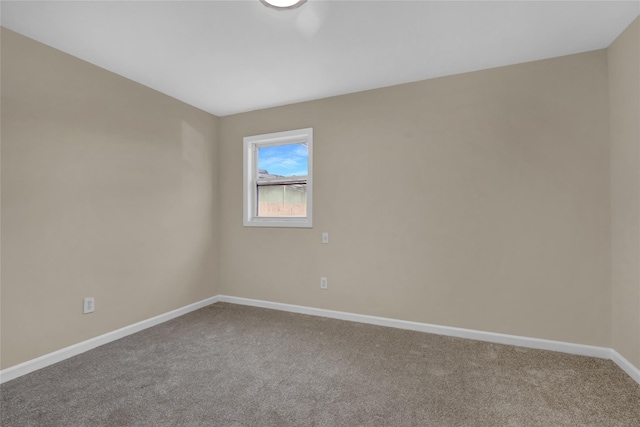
(89,305)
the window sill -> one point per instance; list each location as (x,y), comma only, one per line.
(279,222)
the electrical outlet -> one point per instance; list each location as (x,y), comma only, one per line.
(323,283)
(89,305)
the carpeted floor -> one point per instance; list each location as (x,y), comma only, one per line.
(230,365)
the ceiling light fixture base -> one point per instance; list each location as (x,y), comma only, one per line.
(283,4)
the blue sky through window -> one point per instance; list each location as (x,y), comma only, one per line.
(285,160)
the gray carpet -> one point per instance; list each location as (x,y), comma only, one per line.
(229,365)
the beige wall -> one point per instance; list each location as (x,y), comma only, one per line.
(108,190)
(624,95)
(486,200)
(479,201)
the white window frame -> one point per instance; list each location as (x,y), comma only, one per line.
(251,145)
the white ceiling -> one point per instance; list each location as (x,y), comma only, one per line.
(227,57)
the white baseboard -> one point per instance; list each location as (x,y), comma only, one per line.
(57,356)
(625,365)
(536,343)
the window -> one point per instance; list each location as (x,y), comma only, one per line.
(277,179)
